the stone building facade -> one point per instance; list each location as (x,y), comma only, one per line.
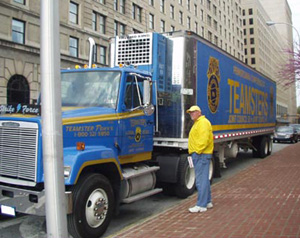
(219,21)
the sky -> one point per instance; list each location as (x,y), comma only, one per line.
(295,7)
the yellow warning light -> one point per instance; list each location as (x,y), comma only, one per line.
(85,66)
(80,146)
(94,66)
(77,66)
(121,65)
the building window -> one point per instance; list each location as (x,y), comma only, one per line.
(162,6)
(196,10)
(251,21)
(171,11)
(252,60)
(151,21)
(116,28)
(252,51)
(73,14)
(250,10)
(151,2)
(135,31)
(216,40)
(172,28)
(20,1)
(215,25)
(122,6)
(214,10)
(251,31)
(251,41)
(162,26)
(209,36)
(209,20)
(95,51)
(116,5)
(119,28)
(136,12)
(17,90)
(188,23)
(94,21)
(102,24)
(18,31)
(139,14)
(180,17)
(122,29)
(188,3)
(208,3)
(196,27)
(73,46)
(102,55)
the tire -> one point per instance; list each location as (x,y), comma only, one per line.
(261,145)
(185,185)
(93,205)
(217,169)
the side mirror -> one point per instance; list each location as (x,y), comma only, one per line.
(147,93)
(149,110)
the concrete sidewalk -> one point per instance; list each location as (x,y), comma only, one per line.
(262,201)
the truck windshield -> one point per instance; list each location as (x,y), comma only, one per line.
(90,88)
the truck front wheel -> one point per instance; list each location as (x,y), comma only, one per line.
(93,203)
(186,178)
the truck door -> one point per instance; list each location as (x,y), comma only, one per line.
(136,127)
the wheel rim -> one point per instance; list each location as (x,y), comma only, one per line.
(96,208)
(211,169)
(190,177)
(266,148)
(270,146)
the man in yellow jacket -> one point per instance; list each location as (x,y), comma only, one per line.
(201,147)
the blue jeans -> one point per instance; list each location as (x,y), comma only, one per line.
(201,164)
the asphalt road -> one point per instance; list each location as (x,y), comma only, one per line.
(35,227)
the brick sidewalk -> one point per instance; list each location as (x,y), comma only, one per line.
(262,201)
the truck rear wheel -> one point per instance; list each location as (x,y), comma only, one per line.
(93,204)
(262,147)
(186,178)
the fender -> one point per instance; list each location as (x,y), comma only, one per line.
(92,155)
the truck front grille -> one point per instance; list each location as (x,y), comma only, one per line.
(18,150)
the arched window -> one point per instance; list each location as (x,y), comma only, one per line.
(17,90)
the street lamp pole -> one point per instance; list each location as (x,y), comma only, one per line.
(271,23)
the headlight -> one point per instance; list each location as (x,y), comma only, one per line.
(67,171)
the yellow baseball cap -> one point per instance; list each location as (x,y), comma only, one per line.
(193,108)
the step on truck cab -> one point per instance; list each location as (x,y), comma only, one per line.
(125,127)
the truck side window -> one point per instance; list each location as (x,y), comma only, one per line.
(132,93)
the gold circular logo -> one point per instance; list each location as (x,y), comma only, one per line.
(213,93)
(138,134)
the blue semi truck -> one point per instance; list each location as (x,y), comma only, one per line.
(125,128)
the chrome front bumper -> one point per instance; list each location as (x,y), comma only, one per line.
(28,201)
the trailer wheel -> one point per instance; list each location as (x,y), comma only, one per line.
(186,178)
(93,204)
(262,147)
